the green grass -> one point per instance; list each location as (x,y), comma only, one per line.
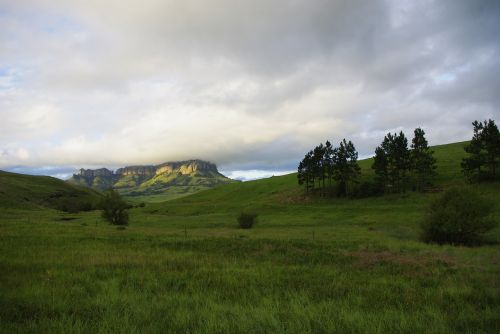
(166,187)
(307,266)
(31,192)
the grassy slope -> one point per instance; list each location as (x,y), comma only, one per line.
(285,190)
(29,191)
(308,266)
(165,187)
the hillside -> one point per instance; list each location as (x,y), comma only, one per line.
(154,183)
(284,189)
(309,265)
(31,192)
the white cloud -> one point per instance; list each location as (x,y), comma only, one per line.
(246,84)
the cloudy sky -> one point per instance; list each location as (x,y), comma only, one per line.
(250,85)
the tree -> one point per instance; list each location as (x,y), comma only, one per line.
(491,144)
(305,171)
(325,162)
(114,208)
(328,161)
(319,165)
(460,216)
(380,167)
(423,163)
(483,151)
(345,166)
(401,161)
(392,162)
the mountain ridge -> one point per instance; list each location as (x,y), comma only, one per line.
(179,177)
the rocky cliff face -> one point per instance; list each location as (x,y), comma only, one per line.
(186,167)
(192,174)
(136,170)
(182,167)
(92,173)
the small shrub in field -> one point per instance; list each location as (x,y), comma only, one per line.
(459,217)
(247,220)
(114,208)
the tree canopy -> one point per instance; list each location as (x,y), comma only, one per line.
(483,152)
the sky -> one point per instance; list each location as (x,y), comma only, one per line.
(249,85)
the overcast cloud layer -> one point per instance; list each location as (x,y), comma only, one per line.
(249,85)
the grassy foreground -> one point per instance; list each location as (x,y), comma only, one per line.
(308,266)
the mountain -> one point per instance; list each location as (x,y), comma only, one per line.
(157,182)
(32,192)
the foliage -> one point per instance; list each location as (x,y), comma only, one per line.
(460,216)
(328,163)
(392,162)
(246,220)
(114,208)
(367,189)
(423,164)
(483,151)
(345,166)
(73,206)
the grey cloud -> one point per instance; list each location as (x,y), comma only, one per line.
(247,84)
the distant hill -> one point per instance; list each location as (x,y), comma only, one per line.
(283,190)
(156,182)
(31,192)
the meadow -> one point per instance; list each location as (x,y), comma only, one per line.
(310,265)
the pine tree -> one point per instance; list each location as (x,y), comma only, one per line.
(305,174)
(345,166)
(392,162)
(423,163)
(401,161)
(328,161)
(380,167)
(483,150)
(319,166)
(491,144)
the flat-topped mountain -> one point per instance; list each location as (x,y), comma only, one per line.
(169,179)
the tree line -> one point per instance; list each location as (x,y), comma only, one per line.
(328,170)
(325,164)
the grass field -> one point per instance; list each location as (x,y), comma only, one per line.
(308,266)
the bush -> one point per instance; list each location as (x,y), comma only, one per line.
(367,189)
(72,205)
(114,208)
(460,216)
(247,220)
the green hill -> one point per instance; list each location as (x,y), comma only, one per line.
(282,190)
(31,192)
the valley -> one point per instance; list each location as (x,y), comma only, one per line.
(309,265)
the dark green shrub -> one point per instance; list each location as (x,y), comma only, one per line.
(459,216)
(114,208)
(71,205)
(246,220)
(367,189)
